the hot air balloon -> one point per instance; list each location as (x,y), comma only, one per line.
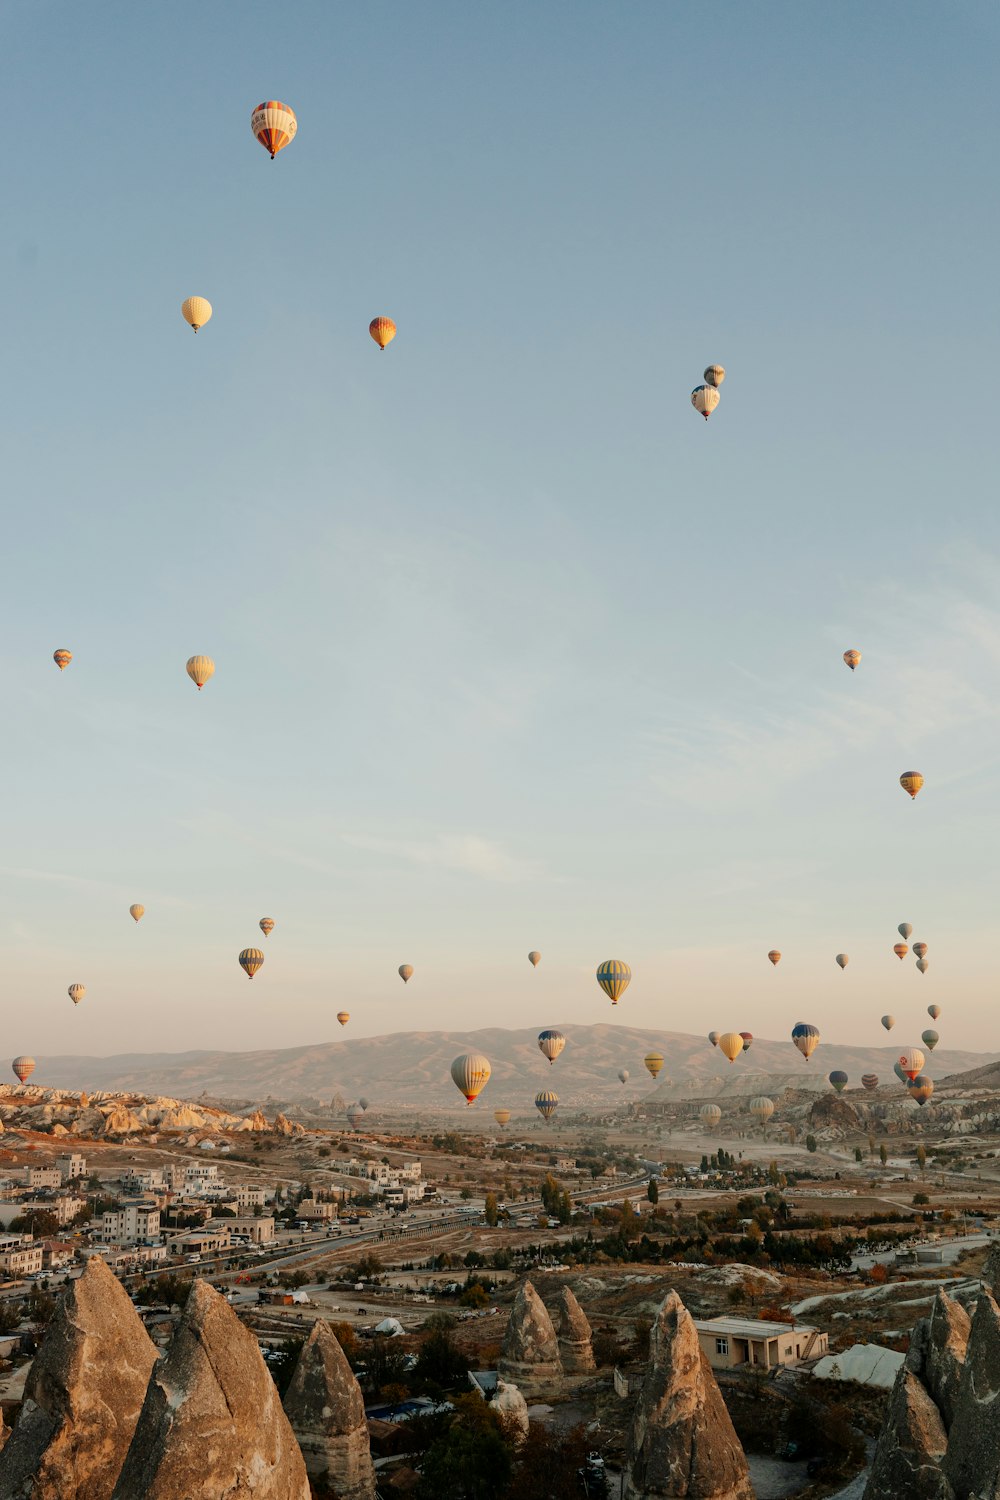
(843,959)
(775,956)
(654,1063)
(76,992)
(534,958)
(343,1016)
(919,949)
(839,1080)
(869,1081)
(911,1061)
(274,124)
(905,930)
(714,375)
(888,1022)
(623,1075)
(23,1068)
(806,1038)
(266,925)
(550,1044)
(911,781)
(614,977)
(923,964)
(355,1116)
(933,1011)
(731,1045)
(502,1117)
(921,1089)
(405,972)
(196,311)
(930,1039)
(710,1115)
(747,1037)
(713,1037)
(382,330)
(251,960)
(762,1107)
(546,1102)
(62,658)
(852,658)
(705,398)
(200,669)
(364,1103)
(470,1073)
(897,1068)
(136,912)
(900,950)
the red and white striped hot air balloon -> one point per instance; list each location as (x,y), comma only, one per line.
(274,124)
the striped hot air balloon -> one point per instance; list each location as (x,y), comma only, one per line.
(62,658)
(710,1115)
(704,399)
(775,956)
(23,1068)
(196,311)
(653,1062)
(546,1102)
(382,330)
(920,1089)
(839,1080)
(343,1016)
(550,1044)
(900,950)
(869,1081)
(502,1117)
(266,925)
(762,1107)
(911,781)
(470,1073)
(714,375)
(806,1038)
(76,992)
(747,1039)
(274,124)
(919,949)
(200,669)
(614,976)
(251,960)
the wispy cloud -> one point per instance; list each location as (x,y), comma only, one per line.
(467,853)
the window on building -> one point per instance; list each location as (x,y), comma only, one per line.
(722,1346)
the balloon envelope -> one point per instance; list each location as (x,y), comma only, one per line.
(266,925)
(705,398)
(869,1081)
(550,1044)
(731,1045)
(502,1117)
(76,992)
(839,1080)
(364,1102)
(62,658)
(747,1037)
(852,658)
(911,1060)
(933,1011)
(355,1115)
(888,1022)
(762,1107)
(343,1016)
(900,950)
(623,1075)
(23,1067)
(911,781)
(930,1039)
(710,1114)
(196,311)
(920,1089)
(136,912)
(905,929)
(534,958)
(470,1074)
(775,956)
(923,964)
(919,950)
(806,1038)
(546,1102)
(713,1037)
(654,1063)
(405,972)
(897,1068)
(843,960)
(614,976)
(200,669)
(251,960)
(382,330)
(274,124)
(714,375)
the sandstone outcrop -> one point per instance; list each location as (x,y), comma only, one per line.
(530,1354)
(212,1426)
(509,1404)
(283,1126)
(682,1442)
(257,1122)
(326,1409)
(575,1349)
(82,1398)
(911,1446)
(972,1462)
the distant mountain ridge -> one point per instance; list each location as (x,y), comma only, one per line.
(410,1069)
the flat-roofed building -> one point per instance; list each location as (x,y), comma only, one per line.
(131,1223)
(20,1255)
(72,1166)
(728,1342)
(259,1231)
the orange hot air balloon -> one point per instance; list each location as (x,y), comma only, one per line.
(137,911)
(731,1045)
(911,781)
(900,950)
(911,1061)
(852,658)
(534,958)
(775,956)
(251,960)
(266,925)
(274,124)
(382,330)
(23,1068)
(343,1016)
(62,659)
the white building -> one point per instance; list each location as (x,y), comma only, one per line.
(249,1196)
(41,1177)
(20,1255)
(71,1167)
(144,1180)
(258,1230)
(131,1222)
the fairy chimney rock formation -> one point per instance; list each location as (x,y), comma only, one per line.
(682,1442)
(82,1398)
(530,1354)
(212,1426)
(326,1409)
(911,1446)
(509,1404)
(574,1335)
(972,1463)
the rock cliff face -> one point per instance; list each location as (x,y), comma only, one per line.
(212,1426)
(326,1409)
(575,1336)
(82,1398)
(530,1354)
(682,1442)
(511,1405)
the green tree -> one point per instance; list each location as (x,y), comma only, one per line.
(652,1191)
(883,1154)
(439,1363)
(547,1465)
(858,1154)
(810,1143)
(472,1460)
(921,1157)
(282,1365)
(491,1212)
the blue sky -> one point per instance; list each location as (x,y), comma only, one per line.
(513,650)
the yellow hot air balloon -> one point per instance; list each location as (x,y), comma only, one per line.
(614,976)
(382,330)
(136,912)
(200,669)
(470,1073)
(196,311)
(534,958)
(843,960)
(775,956)
(551,1044)
(23,1068)
(251,960)
(731,1045)
(546,1102)
(705,398)
(900,950)
(274,124)
(911,781)
(805,1038)
(405,972)
(714,375)
(62,658)
(654,1063)
(266,925)
(502,1117)
(76,992)
(852,658)
(343,1016)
